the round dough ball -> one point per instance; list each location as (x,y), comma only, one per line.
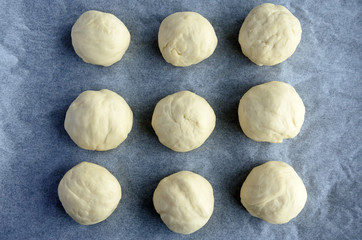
(98,120)
(273,192)
(186,38)
(183,121)
(100,38)
(271,112)
(89,193)
(185,201)
(270,34)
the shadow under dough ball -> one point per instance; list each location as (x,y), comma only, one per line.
(269,34)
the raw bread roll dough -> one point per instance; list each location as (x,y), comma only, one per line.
(186,38)
(89,193)
(273,192)
(183,121)
(271,112)
(185,201)
(98,120)
(270,34)
(100,38)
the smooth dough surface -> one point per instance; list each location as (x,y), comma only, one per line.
(273,192)
(183,121)
(100,38)
(271,112)
(185,201)
(270,34)
(89,193)
(186,38)
(98,120)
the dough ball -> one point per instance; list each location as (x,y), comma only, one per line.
(273,192)
(89,193)
(100,38)
(183,121)
(98,120)
(185,201)
(270,34)
(186,38)
(271,112)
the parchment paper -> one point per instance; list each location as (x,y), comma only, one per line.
(40,75)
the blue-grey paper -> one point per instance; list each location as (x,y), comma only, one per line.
(40,75)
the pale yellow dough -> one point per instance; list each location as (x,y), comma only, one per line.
(186,38)
(183,121)
(270,34)
(185,201)
(273,192)
(100,38)
(89,193)
(271,112)
(98,120)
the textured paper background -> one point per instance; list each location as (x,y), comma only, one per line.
(40,75)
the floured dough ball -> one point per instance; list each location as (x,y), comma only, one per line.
(100,38)
(183,121)
(185,201)
(98,120)
(186,38)
(89,193)
(271,112)
(270,34)
(273,192)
